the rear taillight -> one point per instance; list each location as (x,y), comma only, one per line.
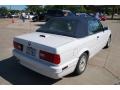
(53,58)
(18,46)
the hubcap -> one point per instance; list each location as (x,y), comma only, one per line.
(82,64)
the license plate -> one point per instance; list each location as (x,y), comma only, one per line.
(31,51)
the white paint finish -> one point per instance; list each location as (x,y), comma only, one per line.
(68,48)
(50,40)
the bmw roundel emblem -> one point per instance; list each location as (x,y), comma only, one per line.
(29,43)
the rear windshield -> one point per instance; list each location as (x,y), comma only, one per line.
(60,27)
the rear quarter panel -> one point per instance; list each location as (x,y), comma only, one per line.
(74,49)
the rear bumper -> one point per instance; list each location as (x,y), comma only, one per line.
(54,72)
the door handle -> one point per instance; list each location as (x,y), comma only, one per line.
(97,37)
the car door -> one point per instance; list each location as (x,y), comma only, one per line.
(95,31)
(103,35)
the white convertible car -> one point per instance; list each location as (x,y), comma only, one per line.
(62,46)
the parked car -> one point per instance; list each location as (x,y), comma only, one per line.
(29,16)
(58,13)
(39,17)
(62,46)
(103,17)
(116,14)
(3,16)
(14,15)
(83,14)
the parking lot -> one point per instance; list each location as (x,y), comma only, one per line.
(104,68)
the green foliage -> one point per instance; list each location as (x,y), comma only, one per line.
(3,10)
(73,8)
(34,8)
(14,11)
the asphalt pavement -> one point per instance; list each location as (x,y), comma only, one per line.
(103,69)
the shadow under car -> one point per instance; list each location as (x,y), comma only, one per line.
(16,74)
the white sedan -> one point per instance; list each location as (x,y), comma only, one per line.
(29,16)
(62,46)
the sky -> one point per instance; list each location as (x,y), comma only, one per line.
(15,7)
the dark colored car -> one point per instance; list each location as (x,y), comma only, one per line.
(3,16)
(51,14)
(58,13)
(39,17)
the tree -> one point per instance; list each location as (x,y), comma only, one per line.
(74,8)
(47,7)
(113,11)
(14,11)
(3,10)
(34,8)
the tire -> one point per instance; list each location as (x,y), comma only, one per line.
(81,65)
(108,43)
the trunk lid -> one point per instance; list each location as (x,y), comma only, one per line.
(43,41)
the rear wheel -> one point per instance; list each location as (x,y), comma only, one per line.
(108,43)
(82,63)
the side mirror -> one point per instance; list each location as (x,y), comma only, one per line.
(105,28)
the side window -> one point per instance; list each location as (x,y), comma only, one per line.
(94,26)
